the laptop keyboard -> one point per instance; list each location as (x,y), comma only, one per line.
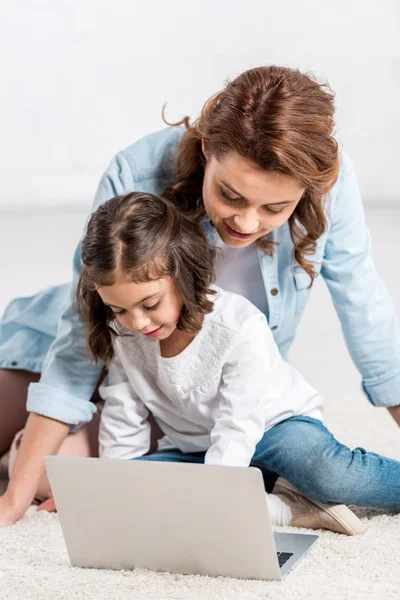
(283,557)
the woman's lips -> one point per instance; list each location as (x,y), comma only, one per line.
(236,234)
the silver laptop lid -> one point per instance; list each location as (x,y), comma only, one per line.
(176,517)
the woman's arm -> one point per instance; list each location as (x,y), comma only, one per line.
(42,436)
(361,300)
(62,397)
(69,376)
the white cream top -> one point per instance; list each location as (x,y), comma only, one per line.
(219,395)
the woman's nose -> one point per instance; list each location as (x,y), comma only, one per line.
(246,222)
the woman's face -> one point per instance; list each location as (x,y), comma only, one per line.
(245,203)
(152,308)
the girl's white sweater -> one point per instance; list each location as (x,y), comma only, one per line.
(219,395)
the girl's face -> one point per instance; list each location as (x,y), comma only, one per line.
(245,203)
(152,308)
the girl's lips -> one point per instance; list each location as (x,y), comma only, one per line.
(154,332)
(235,234)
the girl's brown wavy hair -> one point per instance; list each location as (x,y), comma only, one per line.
(282,121)
(142,237)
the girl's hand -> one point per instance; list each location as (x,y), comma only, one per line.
(48,505)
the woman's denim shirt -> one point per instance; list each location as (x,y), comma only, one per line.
(43,333)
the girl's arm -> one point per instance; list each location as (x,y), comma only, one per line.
(243,397)
(42,436)
(361,300)
(125,431)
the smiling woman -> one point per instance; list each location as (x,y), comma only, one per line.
(261,171)
(252,205)
(263,153)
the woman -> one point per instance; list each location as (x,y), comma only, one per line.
(262,168)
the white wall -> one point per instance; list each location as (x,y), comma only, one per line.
(82,79)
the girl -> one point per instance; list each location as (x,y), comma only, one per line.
(205,363)
(262,165)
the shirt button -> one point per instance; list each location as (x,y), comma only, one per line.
(14,363)
(274,327)
(274,292)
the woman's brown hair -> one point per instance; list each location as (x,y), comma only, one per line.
(280,120)
(141,237)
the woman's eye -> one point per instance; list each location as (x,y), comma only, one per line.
(266,207)
(226,197)
(154,307)
(273,212)
(119,313)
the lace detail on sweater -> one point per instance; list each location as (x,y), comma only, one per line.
(202,360)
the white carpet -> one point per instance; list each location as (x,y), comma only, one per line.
(34,562)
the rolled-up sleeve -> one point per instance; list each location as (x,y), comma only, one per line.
(69,377)
(361,300)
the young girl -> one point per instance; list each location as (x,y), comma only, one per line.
(204,362)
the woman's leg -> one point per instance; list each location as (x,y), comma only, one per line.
(305,453)
(13,413)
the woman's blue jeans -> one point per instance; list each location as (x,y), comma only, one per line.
(304,452)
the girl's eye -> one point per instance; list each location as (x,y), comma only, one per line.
(154,307)
(273,212)
(226,197)
(121,312)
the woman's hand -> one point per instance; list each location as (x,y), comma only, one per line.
(42,437)
(10,513)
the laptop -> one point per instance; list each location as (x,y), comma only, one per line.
(175,517)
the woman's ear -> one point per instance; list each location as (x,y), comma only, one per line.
(204,149)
